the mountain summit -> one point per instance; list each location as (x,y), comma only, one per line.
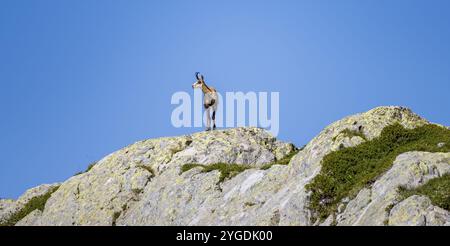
(387,166)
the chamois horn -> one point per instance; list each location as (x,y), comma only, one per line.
(201,76)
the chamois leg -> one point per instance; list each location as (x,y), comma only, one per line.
(208,119)
(214,119)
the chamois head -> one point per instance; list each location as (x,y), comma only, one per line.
(200,81)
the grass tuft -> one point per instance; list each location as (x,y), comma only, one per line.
(116,215)
(346,171)
(149,169)
(284,161)
(351,133)
(227,171)
(189,166)
(437,189)
(87,169)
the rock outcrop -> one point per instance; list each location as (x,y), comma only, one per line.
(371,205)
(9,207)
(418,211)
(143,184)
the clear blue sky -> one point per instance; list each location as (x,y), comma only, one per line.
(81,79)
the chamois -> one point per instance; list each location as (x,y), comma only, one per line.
(210,99)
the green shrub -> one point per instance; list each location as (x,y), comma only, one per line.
(437,189)
(346,171)
(37,202)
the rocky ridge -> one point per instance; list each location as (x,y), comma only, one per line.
(142,184)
